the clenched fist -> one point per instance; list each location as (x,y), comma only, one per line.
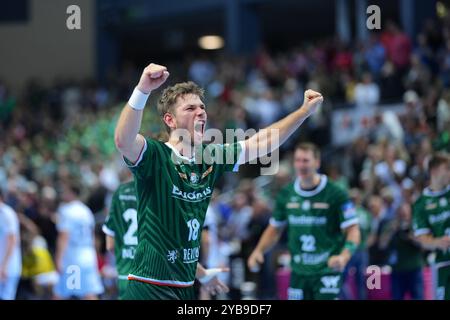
(312,101)
(152,78)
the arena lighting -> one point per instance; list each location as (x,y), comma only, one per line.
(211,42)
(441,10)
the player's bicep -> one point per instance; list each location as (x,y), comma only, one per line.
(134,152)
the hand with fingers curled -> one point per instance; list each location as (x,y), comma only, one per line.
(211,282)
(312,101)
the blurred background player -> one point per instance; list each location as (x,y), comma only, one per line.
(323,230)
(10,256)
(76,258)
(432,220)
(121,231)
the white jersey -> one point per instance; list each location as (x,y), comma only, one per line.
(9,225)
(77,220)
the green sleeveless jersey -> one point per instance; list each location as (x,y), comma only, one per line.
(315,222)
(173,196)
(431,215)
(121,223)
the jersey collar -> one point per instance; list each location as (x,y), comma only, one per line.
(429,193)
(178,154)
(304,193)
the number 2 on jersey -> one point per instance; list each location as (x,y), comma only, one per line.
(129,238)
(308,243)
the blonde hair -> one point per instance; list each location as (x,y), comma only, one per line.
(170,95)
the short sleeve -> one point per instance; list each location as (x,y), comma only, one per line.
(145,163)
(279,215)
(420,223)
(346,210)
(63,223)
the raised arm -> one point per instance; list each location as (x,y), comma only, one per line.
(270,138)
(126,137)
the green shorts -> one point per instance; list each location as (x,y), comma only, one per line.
(443,283)
(137,290)
(122,287)
(315,287)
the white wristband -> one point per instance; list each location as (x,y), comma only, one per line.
(138,99)
(209,274)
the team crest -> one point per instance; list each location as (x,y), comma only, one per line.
(306,205)
(194,178)
(443,202)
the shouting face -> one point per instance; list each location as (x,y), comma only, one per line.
(189,117)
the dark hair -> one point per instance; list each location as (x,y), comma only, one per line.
(308,146)
(437,159)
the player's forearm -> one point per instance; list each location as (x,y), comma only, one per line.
(269,238)
(269,139)
(127,127)
(428,242)
(352,240)
(201,271)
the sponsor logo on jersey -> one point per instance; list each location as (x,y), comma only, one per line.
(437,218)
(190,255)
(349,210)
(320,205)
(126,197)
(307,220)
(330,284)
(194,196)
(292,205)
(314,258)
(295,294)
(172,256)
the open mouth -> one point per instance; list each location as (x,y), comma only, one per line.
(199,126)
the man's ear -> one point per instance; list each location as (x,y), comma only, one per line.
(169,120)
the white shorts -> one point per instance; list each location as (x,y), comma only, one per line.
(79,283)
(8,288)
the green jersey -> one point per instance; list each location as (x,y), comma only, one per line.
(173,196)
(121,223)
(431,215)
(315,222)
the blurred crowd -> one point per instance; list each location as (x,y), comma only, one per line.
(63,133)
